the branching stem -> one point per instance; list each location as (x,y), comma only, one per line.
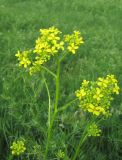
(49,71)
(66,105)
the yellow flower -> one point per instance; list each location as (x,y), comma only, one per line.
(93,130)
(18,147)
(72,48)
(80,93)
(80,41)
(74,40)
(53,37)
(112,78)
(116,89)
(39,61)
(102,82)
(96,110)
(85,83)
(78,38)
(98,94)
(54,50)
(18,54)
(25,62)
(60,45)
(60,154)
(77,33)
(23,58)
(92,108)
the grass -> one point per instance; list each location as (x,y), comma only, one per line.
(22,98)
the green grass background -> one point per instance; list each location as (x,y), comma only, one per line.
(22,104)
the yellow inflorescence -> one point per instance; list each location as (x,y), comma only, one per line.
(50,43)
(95,97)
(18,147)
(93,130)
(73,41)
(23,58)
(60,154)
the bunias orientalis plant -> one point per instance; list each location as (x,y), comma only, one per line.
(94,97)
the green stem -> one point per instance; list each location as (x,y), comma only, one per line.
(83,138)
(66,105)
(49,101)
(57,86)
(49,71)
(55,109)
(49,135)
(62,58)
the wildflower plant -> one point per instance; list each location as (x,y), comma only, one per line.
(94,97)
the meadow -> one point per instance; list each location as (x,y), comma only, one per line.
(23,98)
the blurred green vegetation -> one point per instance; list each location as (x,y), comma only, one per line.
(23,99)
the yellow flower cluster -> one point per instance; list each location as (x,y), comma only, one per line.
(50,43)
(23,58)
(95,97)
(60,154)
(18,147)
(93,130)
(73,41)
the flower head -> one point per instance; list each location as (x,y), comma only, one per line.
(48,44)
(96,110)
(98,95)
(93,130)
(85,83)
(80,93)
(95,97)
(18,147)
(73,41)
(23,58)
(60,154)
